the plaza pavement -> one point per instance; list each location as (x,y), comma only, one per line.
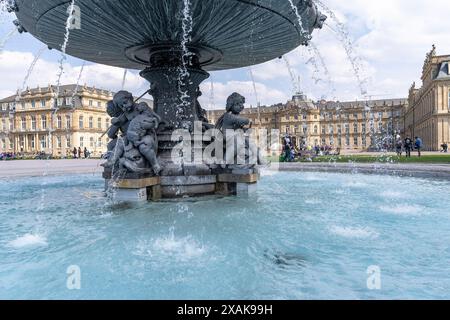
(36,168)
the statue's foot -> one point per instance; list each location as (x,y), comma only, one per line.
(157,169)
(107,165)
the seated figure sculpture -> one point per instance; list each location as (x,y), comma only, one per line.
(235,130)
(142,134)
(133,130)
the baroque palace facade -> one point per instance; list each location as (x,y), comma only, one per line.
(357,125)
(428,112)
(28,125)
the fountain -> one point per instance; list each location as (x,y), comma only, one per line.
(174,43)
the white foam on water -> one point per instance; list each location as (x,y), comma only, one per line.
(28,240)
(268,173)
(355,184)
(182,249)
(405,209)
(391,194)
(354,233)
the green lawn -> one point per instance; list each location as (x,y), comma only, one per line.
(380,158)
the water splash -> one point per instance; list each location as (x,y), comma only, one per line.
(344,38)
(78,85)
(124,79)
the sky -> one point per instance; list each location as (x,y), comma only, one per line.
(389,38)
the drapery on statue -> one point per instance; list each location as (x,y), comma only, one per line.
(134,142)
(232,125)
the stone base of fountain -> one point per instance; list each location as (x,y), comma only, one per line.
(135,188)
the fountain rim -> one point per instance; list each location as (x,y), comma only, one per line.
(213,63)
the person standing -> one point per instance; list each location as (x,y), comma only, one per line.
(419,145)
(74,151)
(408,147)
(399,146)
(86,153)
(79,152)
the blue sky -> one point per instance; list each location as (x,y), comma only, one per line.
(390,39)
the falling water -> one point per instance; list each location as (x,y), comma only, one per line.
(344,38)
(321,60)
(8,37)
(124,79)
(186,24)
(30,70)
(250,71)
(300,22)
(212,104)
(63,55)
(295,85)
(78,85)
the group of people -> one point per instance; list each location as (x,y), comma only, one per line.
(79,154)
(408,145)
(444,147)
(8,156)
(291,152)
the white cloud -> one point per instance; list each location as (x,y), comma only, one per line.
(14,67)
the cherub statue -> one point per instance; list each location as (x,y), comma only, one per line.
(142,134)
(230,122)
(133,124)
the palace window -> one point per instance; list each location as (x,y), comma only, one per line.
(347,141)
(347,130)
(449,100)
(60,102)
(24,123)
(81,142)
(91,103)
(4,124)
(323,130)
(68,143)
(58,142)
(355,141)
(81,122)
(99,104)
(91,142)
(99,123)
(44,122)
(316,130)
(59,122)
(355,128)
(43,103)
(23,105)
(91,122)
(68,101)
(33,122)
(43,142)
(68,124)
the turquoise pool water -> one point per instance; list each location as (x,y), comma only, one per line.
(303,236)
